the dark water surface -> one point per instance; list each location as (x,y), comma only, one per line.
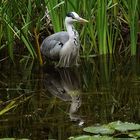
(51,103)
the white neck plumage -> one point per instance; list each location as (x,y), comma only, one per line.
(70,29)
(73,34)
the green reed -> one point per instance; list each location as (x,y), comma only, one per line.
(105,33)
(18,20)
(113,27)
(102,25)
(133,23)
(55,11)
(7,32)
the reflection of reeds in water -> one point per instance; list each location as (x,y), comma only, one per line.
(109,91)
(113,89)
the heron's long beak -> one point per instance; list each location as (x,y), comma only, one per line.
(82,20)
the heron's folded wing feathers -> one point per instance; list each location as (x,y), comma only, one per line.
(52,45)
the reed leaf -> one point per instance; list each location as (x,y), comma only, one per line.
(28,18)
(109,22)
(54,8)
(11,105)
(113,28)
(133,20)
(28,45)
(102,26)
(10,43)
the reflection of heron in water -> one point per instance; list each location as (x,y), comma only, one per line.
(65,84)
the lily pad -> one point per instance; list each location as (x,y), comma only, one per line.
(96,137)
(7,139)
(120,126)
(125,139)
(134,134)
(83,137)
(103,129)
(13,139)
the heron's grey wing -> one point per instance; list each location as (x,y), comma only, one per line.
(52,45)
(51,48)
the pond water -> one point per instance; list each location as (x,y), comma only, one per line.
(48,103)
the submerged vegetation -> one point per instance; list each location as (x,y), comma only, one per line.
(113,26)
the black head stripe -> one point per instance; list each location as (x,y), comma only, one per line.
(70,15)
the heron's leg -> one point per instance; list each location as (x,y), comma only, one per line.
(77,64)
(64,61)
(77,60)
(59,64)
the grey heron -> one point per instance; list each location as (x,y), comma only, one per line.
(64,46)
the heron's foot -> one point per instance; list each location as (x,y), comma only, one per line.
(57,66)
(61,66)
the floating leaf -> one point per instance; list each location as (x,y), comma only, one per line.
(96,137)
(7,139)
(125,139)
(120,126)
(134,134)
(83,137)
(104,129)
(13,139)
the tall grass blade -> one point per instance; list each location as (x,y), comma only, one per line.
(8,107)
(9,34)
(133,21)
(10,43)
(28,45)
(54,8)
(102,26)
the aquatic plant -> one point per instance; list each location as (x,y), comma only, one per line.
(18,20)
(112,28)
(118,128)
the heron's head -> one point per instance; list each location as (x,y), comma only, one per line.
(74,17)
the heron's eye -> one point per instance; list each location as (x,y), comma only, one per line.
(72,17)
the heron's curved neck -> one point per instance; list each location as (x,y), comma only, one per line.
(71,30)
